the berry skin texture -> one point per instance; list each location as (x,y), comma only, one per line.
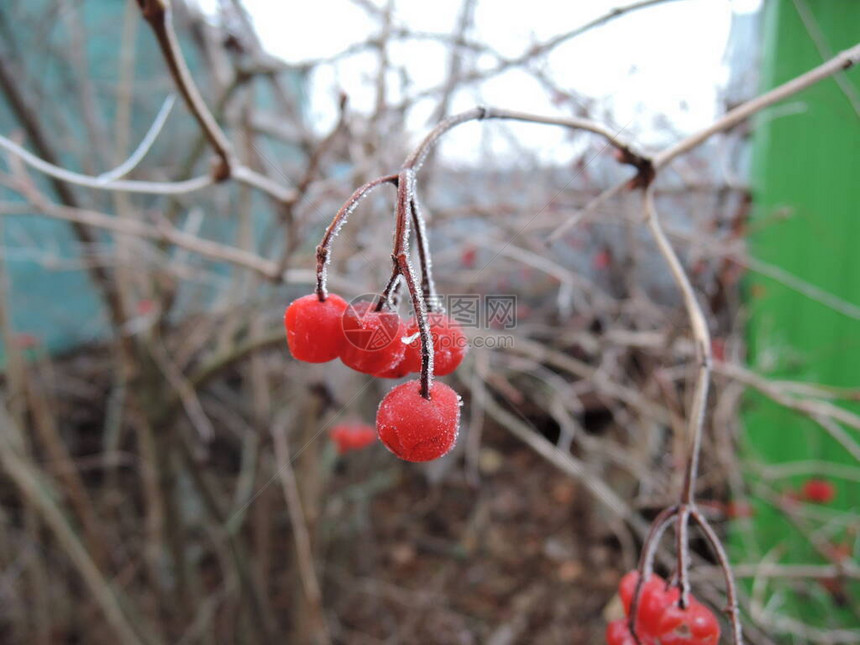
(314,331)
(617,633)
(653,601)
(659,619)
(819,491)
(373,339)
(449,344)
(398,371)
(417,429)
(352,436)
(695,625)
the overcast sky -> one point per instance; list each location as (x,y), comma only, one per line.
(661,62)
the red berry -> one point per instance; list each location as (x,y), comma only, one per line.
(617,633)
(653,601)
(449,344)
(819,491)
(467,259)
(415,428)
(349,437)
(314,331)
(373,338)
(695,625)
(739,509)
(398,371)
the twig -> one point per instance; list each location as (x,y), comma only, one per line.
(145,144)
(87,181)
(301,537)
(38,492)
(841,62)
(324,247)
(159,16)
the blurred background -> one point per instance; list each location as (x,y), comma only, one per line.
(169,474)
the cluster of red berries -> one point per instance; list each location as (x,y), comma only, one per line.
(659,618)
(375,340)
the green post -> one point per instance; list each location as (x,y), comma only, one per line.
(806,191)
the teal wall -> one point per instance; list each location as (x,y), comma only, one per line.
(50,298)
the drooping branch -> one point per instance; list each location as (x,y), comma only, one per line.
(340,218)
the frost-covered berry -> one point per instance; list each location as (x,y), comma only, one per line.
(449,344)
(373,338)
(415,428)
(314,331)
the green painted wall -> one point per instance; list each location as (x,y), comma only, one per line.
(806,189)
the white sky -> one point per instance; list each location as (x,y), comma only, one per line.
(661,63)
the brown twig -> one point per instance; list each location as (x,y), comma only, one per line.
(160,18)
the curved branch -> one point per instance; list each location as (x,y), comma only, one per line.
(87,181)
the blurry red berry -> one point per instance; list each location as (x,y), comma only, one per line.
(25,340)
(841,551)
(314,331)
(467,259)
(354,436)
(415,428)
(449,344)
(145,307)
(695,625)
(737,509)
(718,349)
(617,633)
(819,491)
(653,601)
(602,260)
(373,338)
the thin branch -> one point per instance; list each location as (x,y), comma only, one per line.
(38,492)
(99,183)
(160,17)
(301,536)
(817,37)
(839,63)
(702,344)
(145,144)
(164,231)
(324,247)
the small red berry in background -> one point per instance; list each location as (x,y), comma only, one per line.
(602,260)
(449,344)
(819,491)
(314,331)
(145,307)
(718,349)
(355,436)
(374,342)
(738,509)
(467,259)
(415,428)
(24,340)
